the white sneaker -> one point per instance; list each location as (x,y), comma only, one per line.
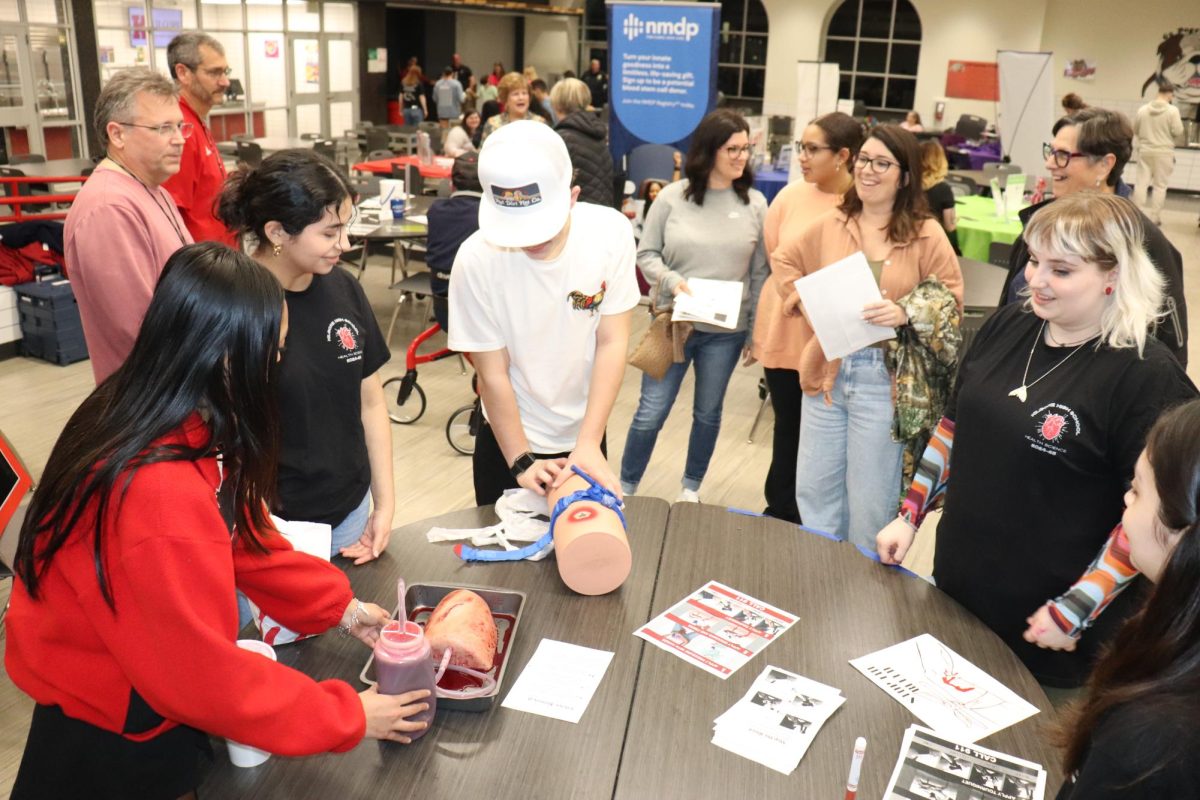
(628,488)
(687,495)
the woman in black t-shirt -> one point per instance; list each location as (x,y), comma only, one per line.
(1047,419)
(939,194)
(1135,735)
(335,459)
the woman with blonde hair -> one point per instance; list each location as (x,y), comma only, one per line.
(586,137)
(515,100)
(937,190)
(1049,413)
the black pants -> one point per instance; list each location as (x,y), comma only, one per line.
(780,488)
(490,469)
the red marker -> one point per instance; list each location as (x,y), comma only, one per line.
(860,750)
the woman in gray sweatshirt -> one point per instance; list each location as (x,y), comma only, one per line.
(709,225)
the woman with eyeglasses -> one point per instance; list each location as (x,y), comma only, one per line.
(827,149)
(1088,153)
(848,469)
(151,509)
(706,226)
(1049,412)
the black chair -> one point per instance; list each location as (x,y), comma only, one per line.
(377,139)
(414,181)
(24,190)
(999,253)
(27,158)
(311,137)
(1000,171)
(970,127)
(380,155)
(249,154)
(327,148)
(962,186)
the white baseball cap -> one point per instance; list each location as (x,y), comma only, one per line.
(525,171)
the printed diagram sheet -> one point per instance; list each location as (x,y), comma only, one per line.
(943,689)
(935,768)
(717,628)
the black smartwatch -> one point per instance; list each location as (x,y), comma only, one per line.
(523,462)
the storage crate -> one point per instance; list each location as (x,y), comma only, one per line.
(50,324)
(49,347)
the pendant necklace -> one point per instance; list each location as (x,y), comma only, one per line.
(1022,391)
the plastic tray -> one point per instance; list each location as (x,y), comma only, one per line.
(421,598)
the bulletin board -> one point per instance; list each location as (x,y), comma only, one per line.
(973,80)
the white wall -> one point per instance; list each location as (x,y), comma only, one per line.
(483,39)
(551,44)
(795,34)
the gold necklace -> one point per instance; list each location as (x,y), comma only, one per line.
(1022,391)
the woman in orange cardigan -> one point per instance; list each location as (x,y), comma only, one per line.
(848,468)
(827,149)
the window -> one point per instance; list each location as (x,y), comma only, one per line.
(877,44)
(742,53)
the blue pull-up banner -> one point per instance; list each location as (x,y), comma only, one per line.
(662,71)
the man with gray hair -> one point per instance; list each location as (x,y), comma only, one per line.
(197,63)
(123,226)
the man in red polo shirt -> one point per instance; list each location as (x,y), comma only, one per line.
(197,63)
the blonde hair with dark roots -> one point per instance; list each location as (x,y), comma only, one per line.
(1106,230)
(933,164)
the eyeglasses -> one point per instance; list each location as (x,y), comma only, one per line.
(166,129)
(811,150)
(1061,157)
(735,152)
(878,165)
(216,73)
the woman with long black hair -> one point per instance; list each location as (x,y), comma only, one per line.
(151,509)
(1135,734)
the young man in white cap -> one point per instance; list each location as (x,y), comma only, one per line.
(541,297)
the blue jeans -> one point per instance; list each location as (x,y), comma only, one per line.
(848,467)
(715,356)
(414,116)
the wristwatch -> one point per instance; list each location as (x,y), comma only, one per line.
(523,462)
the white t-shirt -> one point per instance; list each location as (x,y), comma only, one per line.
(546,314)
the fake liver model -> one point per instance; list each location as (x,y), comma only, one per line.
(463,622)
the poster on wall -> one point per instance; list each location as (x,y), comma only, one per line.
(377,59)
(271,48)
(973,80)
(312,63)
(1178,57)
(1080,69)
(662,71)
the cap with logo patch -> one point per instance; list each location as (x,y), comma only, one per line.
(526,175)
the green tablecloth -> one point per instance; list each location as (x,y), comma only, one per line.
(978,226)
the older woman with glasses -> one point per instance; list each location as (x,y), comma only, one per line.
(707,226)
(848,471)
(1089,150)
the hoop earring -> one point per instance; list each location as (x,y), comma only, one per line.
(276,249)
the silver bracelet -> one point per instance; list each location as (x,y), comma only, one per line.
(358,608)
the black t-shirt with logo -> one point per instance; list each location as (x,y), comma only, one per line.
(1036,487)
(333,343)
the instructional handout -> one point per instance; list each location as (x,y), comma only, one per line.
(711,301)
(943,689)
(931,766)
(559,680)
(834,297)
(777,719)
(717,628)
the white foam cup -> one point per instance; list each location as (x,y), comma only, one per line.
(243,755)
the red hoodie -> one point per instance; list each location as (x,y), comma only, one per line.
(172,570)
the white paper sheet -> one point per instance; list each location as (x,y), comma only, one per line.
(933,766)
(833,299)
(943,689)
(559,680)
(716,628)
(713,302)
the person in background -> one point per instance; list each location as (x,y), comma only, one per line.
(848,470)
(1134,734)
(826,151)
(335,459)
(412,97)
(597,83)
(1088,153)
(530,73)
(470,95)
(461,138)
(938,193)
(123,226)
(1072,104)
(197,63)
(151,509)
(452,220)
(708,226)
(1155,130)
(542,297)
(496,74)
(541,99)
(462,73)
(586,137)
(515,99)
(448,98)
(1056,395)
(912,122)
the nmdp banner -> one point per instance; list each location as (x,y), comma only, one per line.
(662,70)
